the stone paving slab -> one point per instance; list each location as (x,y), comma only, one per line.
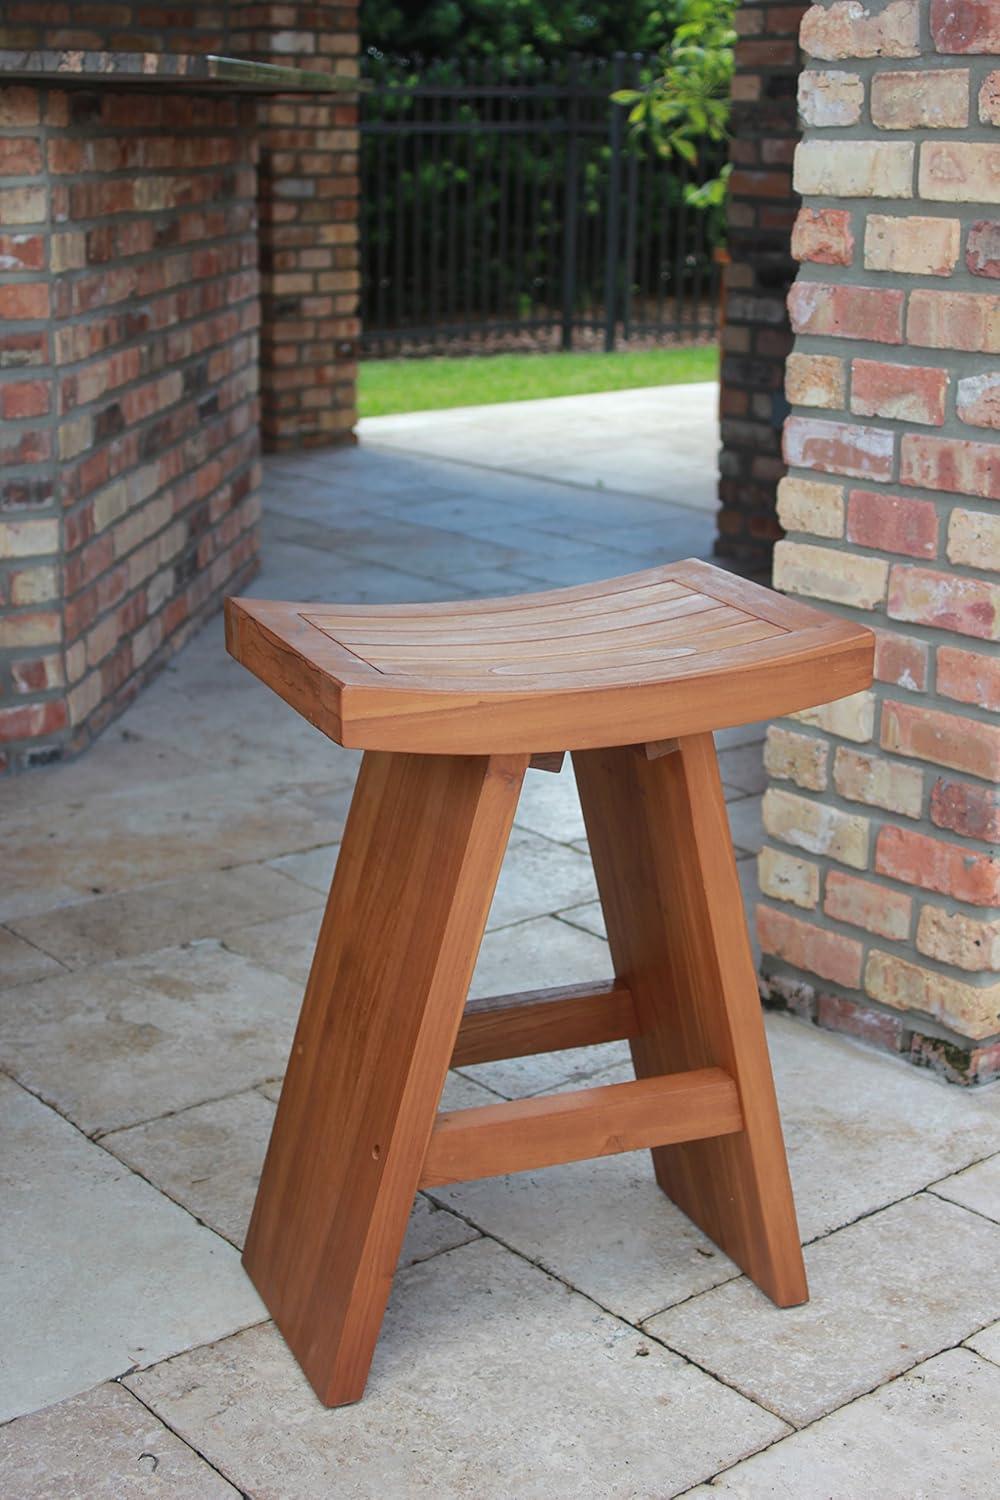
(615,440)
(885,1293)
(987,1342)
(103,1445)
(121,1043)
(490,1380)
(977,1187)
(933,1434)
(160,916)
(100,1271)
(208,1158)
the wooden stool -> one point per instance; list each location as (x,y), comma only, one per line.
(452,703)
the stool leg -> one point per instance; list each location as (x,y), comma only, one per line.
(410,896)
(664,862)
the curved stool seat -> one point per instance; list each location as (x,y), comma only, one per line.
(670,651)
(452,704)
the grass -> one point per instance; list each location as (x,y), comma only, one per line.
(398,385)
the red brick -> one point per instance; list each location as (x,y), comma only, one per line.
(865,904)
(964,808)
(901,661)
(965,26)
(906,393)
(951,869)
(24,398)
(977,400)
(933,98)
(22,252)
(823,235)
(838,448)
(28,300)
(947,739)
(892,523)
(969,677)
(847,312)
(954,320)
(982,248)
(828,954)
(32,720)
(954,465)
(837,1013)
(19,156)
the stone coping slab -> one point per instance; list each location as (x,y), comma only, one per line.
(173,69)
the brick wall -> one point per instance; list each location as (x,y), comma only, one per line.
(882,814)
(309,225)
(128,390)
(757,337)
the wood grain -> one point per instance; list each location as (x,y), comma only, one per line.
(527,1134)
(411,892)
(575,1015)
(668,883)
(568,669)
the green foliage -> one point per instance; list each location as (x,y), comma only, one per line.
(513,29)
(687,102)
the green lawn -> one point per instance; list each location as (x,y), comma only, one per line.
(397,385)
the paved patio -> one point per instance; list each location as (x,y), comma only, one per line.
(566,1334)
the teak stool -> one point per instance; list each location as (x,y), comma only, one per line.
(452,703)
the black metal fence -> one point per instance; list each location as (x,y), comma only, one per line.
(505,212)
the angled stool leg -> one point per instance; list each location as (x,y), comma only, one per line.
(421,853)
(667,877)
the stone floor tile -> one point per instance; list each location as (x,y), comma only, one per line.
(537,954)
(603,1226)
(21,961)
(977,1187)
(987,1342)
(863,1129)
(100,1272)
(209,1159)
(538,877)
(745,824)
(590,917)
(60,852)
(490,1381)
(550,805)
(743,767)
(127,1041)
(931,1434)
(103,1445)
(285,944)
(160,916)
(886,1293)
(313,867)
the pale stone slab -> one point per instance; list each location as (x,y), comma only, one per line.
(100,1272)
(987,1343)
(490,1381)
(590,917)
(103,1445)
(550,805)
(536,954)
(21,961)
(886,1293)
(209,1159)
(161,916)
(933,1434)
(59,852)
(285,944)
(537,877)
(863,1129)
(313,867)
(603,1226)
(977,1188)
(122,1043)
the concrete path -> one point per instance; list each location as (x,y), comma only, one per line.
(561,1335)
(660,441)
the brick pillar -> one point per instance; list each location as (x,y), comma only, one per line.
(309,226)
(881,875)
(757,338)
